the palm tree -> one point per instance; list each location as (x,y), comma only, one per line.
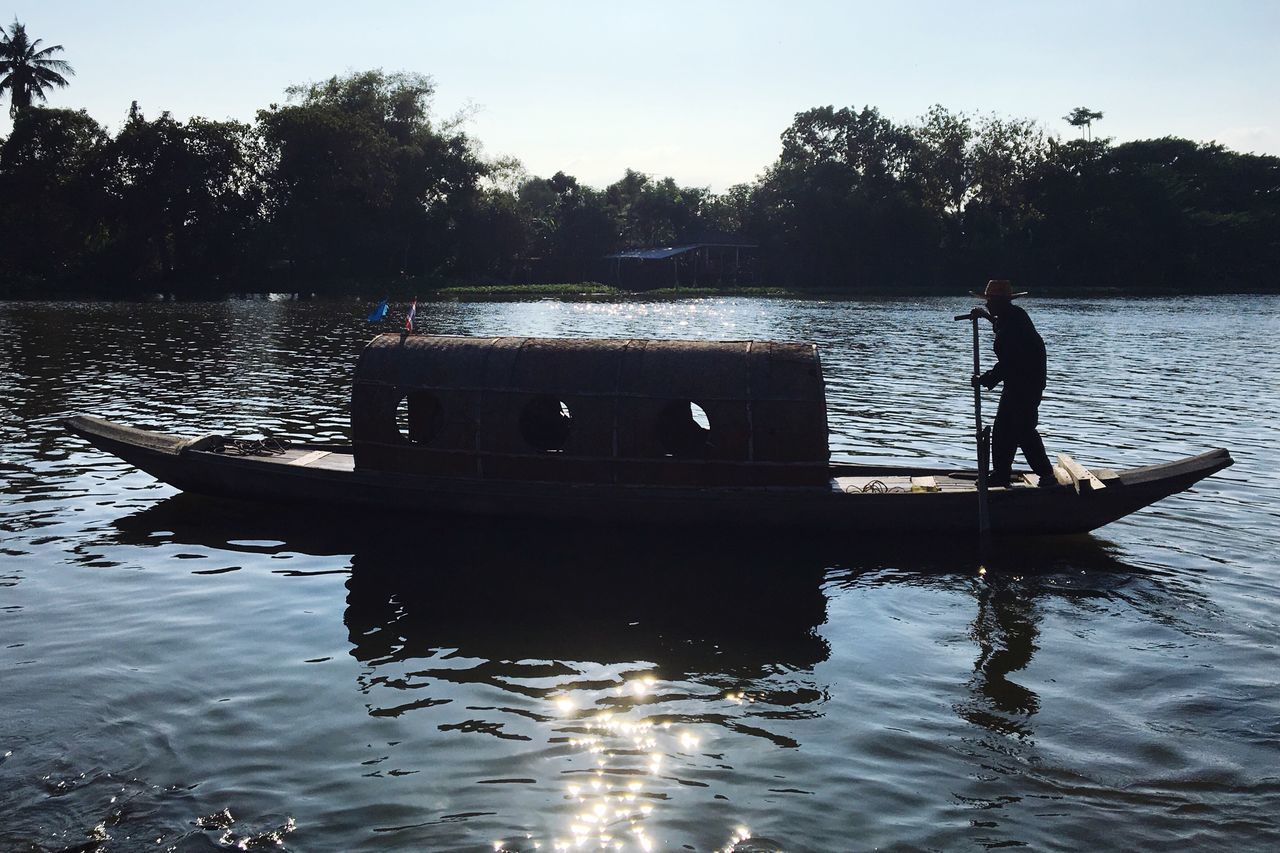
(1083,117)
(26,70)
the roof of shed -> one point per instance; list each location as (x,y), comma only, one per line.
(657,254)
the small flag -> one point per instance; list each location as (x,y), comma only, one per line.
(380,312)
(413,312)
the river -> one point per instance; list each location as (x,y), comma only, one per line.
(184,674)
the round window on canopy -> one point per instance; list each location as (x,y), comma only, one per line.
(545,423)
(419,417)
(683,429)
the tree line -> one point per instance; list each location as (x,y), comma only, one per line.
(352,183)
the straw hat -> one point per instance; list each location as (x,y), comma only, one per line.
(999,288)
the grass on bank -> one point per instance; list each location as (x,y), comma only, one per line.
(595,289)
(404,289)
(585,288)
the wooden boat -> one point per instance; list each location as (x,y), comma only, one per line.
(715,434)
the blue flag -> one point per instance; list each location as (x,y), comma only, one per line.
(379,312)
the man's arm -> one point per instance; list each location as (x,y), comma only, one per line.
(995,375)
(992,377)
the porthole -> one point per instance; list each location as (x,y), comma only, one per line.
(699,416)
(683,429)
(419,417)
(545,424)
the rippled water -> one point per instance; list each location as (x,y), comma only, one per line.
(177,673)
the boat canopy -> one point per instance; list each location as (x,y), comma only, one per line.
(715,413)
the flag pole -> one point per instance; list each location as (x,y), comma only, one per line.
(413,312)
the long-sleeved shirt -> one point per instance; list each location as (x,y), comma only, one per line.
(1021,363)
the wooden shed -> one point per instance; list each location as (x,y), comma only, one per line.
(720,413)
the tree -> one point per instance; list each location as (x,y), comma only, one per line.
(569,228)
(845,202)
(1083,117)
(183,198)
(51,197)
(364,181)
(945,158)
(1006,153)
(729,211)
(26,70)
(873,151)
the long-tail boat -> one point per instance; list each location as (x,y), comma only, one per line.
(649,432)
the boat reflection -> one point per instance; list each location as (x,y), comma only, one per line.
(629,667)
(685,608)
(525,591)
(538,600)
(637,670)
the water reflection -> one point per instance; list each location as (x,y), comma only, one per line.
(630,670)
(623,659)
(639,667)
(450,693)
(1005,630)
(637,674)
(688,608)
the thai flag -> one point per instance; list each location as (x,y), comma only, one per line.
(413,312)
(380,312)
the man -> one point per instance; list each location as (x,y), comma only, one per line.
(1020,365)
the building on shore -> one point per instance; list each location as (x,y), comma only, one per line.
(712,259)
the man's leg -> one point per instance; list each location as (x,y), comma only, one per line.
(1033,449)
(1004,439)
(1030,441)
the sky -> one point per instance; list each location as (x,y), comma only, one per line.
(698,91)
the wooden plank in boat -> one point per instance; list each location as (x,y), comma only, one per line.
(335,462)
(925,484)
(1081,478)
(310,458)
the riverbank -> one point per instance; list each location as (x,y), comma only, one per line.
(427,291)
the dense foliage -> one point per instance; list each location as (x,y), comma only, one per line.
(351,184)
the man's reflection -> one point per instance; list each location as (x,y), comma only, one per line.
(1005,630)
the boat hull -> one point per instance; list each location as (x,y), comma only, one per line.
(192,465)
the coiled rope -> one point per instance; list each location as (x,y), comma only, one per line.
(269,446)
(875,487)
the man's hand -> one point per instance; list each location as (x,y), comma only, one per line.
(979,311)
(975,380)
(986,380)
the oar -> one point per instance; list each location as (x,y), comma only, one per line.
(979,434)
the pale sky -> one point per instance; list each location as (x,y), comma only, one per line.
(699,91)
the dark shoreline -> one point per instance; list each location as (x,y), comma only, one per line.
(591,291)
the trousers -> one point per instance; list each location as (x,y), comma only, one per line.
(1015,427)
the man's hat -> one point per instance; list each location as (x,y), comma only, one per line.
(999,288)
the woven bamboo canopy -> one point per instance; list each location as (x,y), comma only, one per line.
(595,411)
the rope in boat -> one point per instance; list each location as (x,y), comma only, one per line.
(875,487)
(269,446)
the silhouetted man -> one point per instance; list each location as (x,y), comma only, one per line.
(1020,365)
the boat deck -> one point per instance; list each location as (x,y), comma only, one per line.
(340,459)
(321,459)
(932,483)
(325,460)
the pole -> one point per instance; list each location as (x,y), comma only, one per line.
(981,436)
